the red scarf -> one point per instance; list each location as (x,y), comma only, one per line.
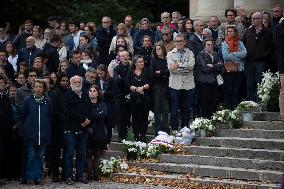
(233,43)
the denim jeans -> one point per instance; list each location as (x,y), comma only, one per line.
(76,142)
(34,166)
(232,88)
(180,99)
(253,72)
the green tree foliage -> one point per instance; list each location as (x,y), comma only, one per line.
(16,11)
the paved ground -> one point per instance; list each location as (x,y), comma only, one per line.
(92,185)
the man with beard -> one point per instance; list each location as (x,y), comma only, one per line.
(57,97)
(23,92)
(20,40)
(77,112)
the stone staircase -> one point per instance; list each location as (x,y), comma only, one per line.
(249,157)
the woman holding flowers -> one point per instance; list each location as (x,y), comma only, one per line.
(234,53)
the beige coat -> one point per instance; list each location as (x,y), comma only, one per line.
(182,77)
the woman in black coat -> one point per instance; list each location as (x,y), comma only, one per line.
(208,66)
(97,140)
(138,83)
(108,88)
(160,85)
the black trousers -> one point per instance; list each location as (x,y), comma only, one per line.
(139,121)
(208,96)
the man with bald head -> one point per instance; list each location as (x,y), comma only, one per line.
(28,53)
(119,74)
(259,44)
(104,35)
(277,15)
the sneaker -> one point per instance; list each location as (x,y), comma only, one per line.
(69,181)
(82,179)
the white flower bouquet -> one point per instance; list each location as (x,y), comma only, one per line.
(247,106)
(151,119)
(228,117)
(268,89)
(134,150)
(201,124)
(107,167)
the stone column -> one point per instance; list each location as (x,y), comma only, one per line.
(203,9)
(257,5)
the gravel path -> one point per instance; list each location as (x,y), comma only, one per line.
(91,185)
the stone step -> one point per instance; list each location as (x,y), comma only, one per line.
(111,153)
(267,125)
(215,171)
(115,138)
(236,142)
(170,178)
(264,154)
(250,133)
(223,162)
(275,155)
(266,116)
(212,160)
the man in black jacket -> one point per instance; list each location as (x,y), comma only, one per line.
(29,53)
(50,48)
(119,74)
(6,123)
(57,97)
(104,36)
(75,67)
(259,44)
(77,118)
(20,40)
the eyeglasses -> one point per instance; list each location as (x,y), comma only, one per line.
(166,17)
(255,18)
(230,15)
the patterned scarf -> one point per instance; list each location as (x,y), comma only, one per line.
(233,43)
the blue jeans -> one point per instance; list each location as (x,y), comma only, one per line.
(34,166)
(180,99)
(253,72)
(76,142)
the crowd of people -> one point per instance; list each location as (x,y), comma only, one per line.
(64,88)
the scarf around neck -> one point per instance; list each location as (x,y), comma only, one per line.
(233,43)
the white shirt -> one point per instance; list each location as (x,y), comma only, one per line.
(13,61)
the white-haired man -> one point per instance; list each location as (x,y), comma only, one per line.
(77,118)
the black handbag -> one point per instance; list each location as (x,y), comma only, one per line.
(136,98)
